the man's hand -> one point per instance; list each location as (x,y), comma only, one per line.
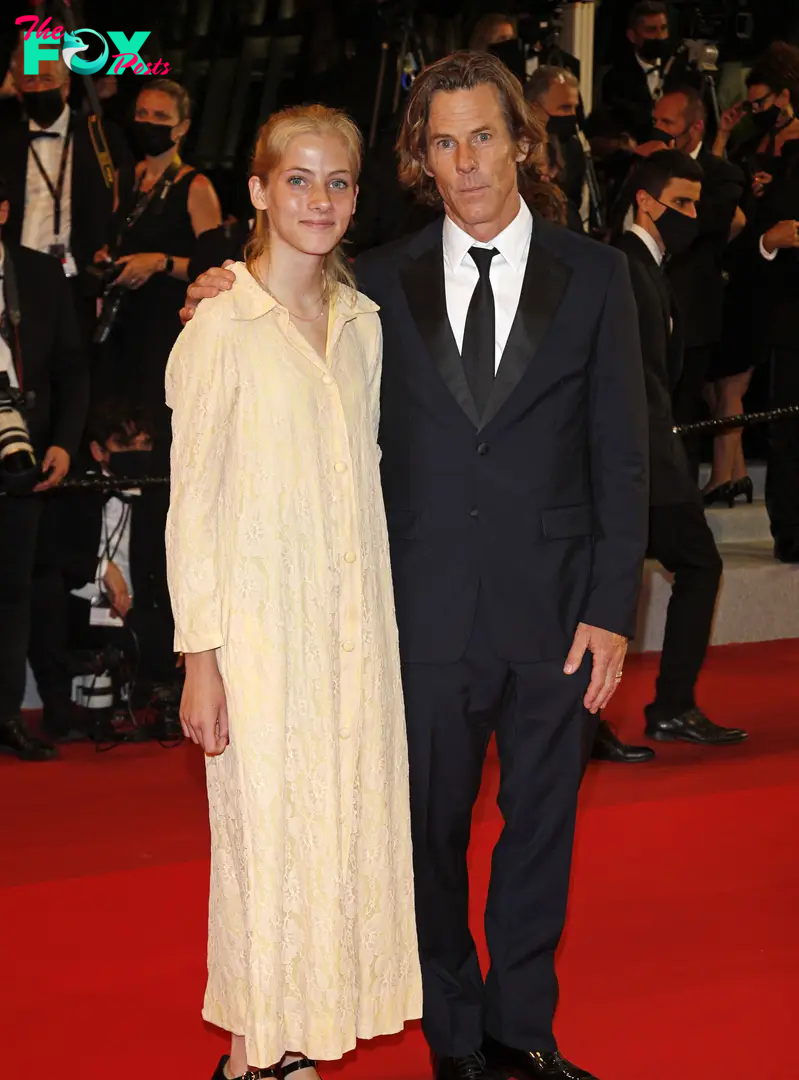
(118,592)
(731,118)
(608,650)
(652,147)
(56,464)
(211,283)
(785,234)
(203,707)
(760,182)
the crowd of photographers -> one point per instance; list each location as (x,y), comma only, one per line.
(95,268)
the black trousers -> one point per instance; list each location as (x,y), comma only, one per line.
(19,522)
(782,477)
(688,397)
(681,540)
(537,714)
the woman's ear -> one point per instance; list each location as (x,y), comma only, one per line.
(257,193)
(181,130)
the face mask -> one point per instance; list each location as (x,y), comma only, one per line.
(562,127)
(659,135)
(130,464)
(43,106)
(654,49)
(153,139)
(767,120)
(677,231)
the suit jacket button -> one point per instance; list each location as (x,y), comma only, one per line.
(474,512)
(482,449)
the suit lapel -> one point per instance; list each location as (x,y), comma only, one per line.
(423,282)
(546,279)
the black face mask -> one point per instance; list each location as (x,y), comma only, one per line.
(562,127)
(130,464)
(654,49)
(43,106)
(153,139)
(765,121)
(677,231)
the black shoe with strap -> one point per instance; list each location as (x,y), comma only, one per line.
(689,726)
(533,1064)
(251,1074)
(471,1067)
(295,1066)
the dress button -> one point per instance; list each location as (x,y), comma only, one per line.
(327,380)
(344,734)
(340,466)
(350,557)
(348,646)
(482,449)
(474,512)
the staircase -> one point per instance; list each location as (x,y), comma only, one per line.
(759,597)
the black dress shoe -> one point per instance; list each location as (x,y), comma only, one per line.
(15,738)
(471,1067)
(533,1064)
(253,1074)
(609,747)
(786,549)
(691,726)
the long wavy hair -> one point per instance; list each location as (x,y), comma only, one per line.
(464,71)
(273,140)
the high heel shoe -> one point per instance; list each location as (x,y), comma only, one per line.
(251,1074)
(744,487)
(720,493)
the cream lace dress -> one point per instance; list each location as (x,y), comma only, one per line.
(278,559)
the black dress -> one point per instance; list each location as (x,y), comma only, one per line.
(148,323)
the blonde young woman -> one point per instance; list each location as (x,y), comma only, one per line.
(280,582)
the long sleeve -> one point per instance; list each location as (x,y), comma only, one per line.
(619,461)
(201,391)
(375,371)
(70,370)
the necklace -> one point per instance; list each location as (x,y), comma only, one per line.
(302,318)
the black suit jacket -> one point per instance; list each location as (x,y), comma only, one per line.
(626,90)
(541,505)
(662,349)
(54,364)
(92,201)
(696,277)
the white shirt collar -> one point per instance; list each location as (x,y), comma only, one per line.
(650,242)
(646,65)
(60,127)
(695,153)
(512,243)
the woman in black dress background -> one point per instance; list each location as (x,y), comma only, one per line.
(159,220)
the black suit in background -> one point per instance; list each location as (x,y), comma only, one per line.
(625,89)
(506,530)
(55,371)
(697,282)
(679,536)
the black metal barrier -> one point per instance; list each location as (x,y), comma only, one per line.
(741,420)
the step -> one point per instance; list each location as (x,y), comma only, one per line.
(755,470)
(758,599)
(740,524)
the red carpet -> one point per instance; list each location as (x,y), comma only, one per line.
(680,960)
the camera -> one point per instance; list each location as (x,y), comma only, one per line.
(102,275)
(18,467)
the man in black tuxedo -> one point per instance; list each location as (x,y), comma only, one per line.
(667,189)
(696,275)
(514,467)
(60,203)
(633,84)
(43,357)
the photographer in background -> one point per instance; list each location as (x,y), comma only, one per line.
(41,355)
(634,84)
(102,578)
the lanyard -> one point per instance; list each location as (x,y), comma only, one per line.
(57,191)
(142,199)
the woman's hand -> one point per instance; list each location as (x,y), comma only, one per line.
(103,255)
(203,708)
(139,268)
(731,118)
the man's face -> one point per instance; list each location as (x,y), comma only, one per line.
(136,440)
(670,115)
(680,195)
(762,97)
(649,28)
(51,76)
(473,159)
(560,100)
(503,31)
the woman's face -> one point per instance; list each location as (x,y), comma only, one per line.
(156,107)
(310,196)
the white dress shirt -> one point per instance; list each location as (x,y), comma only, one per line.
(114,547)
(654,76)
(650,242)
(38,230)
(6,359)
(506,275)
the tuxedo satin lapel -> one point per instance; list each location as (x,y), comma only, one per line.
(545,282)
(423,282)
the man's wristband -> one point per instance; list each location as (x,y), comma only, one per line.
(169,264)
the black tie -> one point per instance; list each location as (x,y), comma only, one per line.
(479,333)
